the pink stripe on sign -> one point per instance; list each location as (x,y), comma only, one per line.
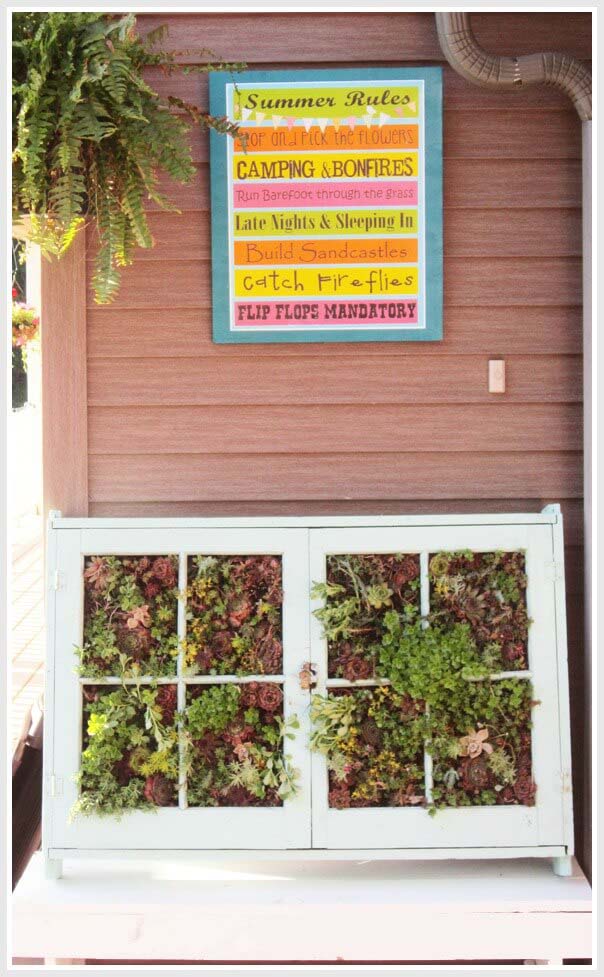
(365,312)
(362,193)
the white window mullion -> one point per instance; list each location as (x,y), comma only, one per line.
(231,679)
(181,688)
(424,596)
(359,683)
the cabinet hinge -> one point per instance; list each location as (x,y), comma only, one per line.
(553,571)
(56,580)
(56,785)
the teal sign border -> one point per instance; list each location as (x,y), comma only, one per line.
(222,333)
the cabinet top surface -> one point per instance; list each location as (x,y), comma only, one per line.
(548,516)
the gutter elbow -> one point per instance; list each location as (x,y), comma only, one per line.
(469,60)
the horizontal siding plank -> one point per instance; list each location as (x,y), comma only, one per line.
(363,476)
(484,135)
(288,381)
(492,183)
(512,233)
(481,281)
(458,93)
(335,428)
(542,135)
(188,332)
(276,38)
(467,233)
(512,183)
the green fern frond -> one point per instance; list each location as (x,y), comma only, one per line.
(91,137)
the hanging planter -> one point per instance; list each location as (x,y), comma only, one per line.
(91,138)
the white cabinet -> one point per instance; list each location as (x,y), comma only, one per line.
(234,586)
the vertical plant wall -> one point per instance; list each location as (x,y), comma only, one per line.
(444,718)
(197,722)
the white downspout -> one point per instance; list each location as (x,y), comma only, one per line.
(571,76)
(587,460)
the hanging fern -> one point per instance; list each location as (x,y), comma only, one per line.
(91,138)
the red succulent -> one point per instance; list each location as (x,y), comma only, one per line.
(239,611)
(152,589)
(134,642)
(97,573)
(221,644)
(371,733)
(475,773)
(506,796)
(204,659)
(163,569)
(166,699)
(270,697)
(525,790)
(122,771)
(404,570)
(249,694)
(355,667)
(207,746)
(339,797)
(236,797)
(512,651)
(159,790)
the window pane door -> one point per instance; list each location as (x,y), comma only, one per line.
(409,752)
(187,726)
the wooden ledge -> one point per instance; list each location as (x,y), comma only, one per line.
(286,910)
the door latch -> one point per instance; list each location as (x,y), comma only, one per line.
(308,676)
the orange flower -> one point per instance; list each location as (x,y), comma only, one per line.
(97,573)
(139,617)
(474,743)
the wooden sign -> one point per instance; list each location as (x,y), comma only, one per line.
(327,213)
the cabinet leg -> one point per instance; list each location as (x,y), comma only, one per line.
(53,868)
(563,865)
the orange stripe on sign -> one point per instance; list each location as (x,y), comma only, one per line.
(310,252)
(269,140)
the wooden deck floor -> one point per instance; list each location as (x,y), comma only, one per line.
(27,638)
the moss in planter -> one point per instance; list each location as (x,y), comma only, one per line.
(374,742)
(358,591)
(130,616)
(477,730)
(234,615)
(129,755)
(489,748)
(236,746)
(488,592)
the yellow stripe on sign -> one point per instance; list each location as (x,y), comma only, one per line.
(357,99)
(326,166)
(257,223)
(397,280)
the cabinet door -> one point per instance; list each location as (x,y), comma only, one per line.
(188,743)
(495,780)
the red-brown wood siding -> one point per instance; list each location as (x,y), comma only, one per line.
(177,425)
